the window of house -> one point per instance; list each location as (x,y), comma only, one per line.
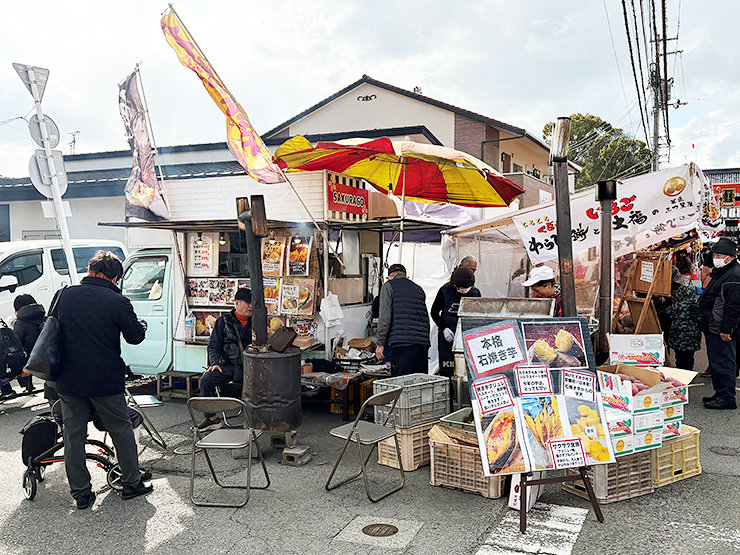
(4,222)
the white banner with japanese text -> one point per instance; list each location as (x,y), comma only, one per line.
(649,207)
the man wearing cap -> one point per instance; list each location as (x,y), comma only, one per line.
(720,313)
(403,324)
(230,334)
(542,282)
(444,314)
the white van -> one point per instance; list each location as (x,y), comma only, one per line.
(39,268)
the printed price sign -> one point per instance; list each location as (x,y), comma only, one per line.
(579,385)
(493,395)
(493,350)
(646,271)
(533,380)
(567,453)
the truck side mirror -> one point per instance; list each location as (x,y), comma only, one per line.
(8,283)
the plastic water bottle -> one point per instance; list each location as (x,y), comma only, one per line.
(190,326)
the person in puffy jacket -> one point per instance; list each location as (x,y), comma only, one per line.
(444,314)
(29,317)
(720,314)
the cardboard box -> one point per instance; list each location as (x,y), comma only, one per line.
(347,289)
(616,392)
(672,429)
(623,445)
(620,423)
(672,413)
(362,344)
(645,350)
(306,368)
(646,421)
(650,439)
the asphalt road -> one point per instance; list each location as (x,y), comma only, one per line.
(296,515)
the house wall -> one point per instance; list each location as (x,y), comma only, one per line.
(532,188)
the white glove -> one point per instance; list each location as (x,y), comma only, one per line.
(449,335)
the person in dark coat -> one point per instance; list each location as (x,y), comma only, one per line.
(684,336)
(403,324)
(444,313)
(225,354)
(720,314)
(92,374)
(29,317)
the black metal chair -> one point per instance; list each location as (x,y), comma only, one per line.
(224,438)
(367,433)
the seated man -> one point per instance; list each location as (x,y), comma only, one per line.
(225,353)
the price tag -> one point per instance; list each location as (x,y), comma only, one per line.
(493,395)
(579,385)
(646,271)
(533,380)
(567,453)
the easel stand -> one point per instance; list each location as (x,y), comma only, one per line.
(659,284)
(525,483)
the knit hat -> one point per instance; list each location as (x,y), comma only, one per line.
(243,294)
(725,246)
(397,268)
(463,278)
(539,274)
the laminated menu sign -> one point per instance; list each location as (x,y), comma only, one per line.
(297,299)
(200,261)
(210,292)
(272,256)
(299,253)
(543,412)
(272,295)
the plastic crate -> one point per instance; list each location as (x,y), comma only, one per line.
(460,467)
(424,399)
(414,444)
(631,476)
(457,420)
(677,458)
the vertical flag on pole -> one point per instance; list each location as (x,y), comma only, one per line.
(244,142)
(143,193)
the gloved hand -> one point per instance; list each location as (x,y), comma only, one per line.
(449,335)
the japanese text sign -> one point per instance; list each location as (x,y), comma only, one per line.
(493,395)
(567,453)
(579,385)
(669,198)
(533,380)
(493,350)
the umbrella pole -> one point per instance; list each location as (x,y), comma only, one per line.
(403,215)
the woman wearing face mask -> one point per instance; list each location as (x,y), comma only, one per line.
(444,314)
(542,283)
(720,314)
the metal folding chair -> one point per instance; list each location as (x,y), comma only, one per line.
(231,389)
(147,401)
(225,438)
(367,433)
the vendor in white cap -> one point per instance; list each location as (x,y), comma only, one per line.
(542,282)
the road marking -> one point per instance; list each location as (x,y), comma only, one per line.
(705,534)
(551,530)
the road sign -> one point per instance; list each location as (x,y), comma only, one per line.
(38,169)
(40,75)
(50,210)
(52,131)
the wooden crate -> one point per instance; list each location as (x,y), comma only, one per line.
(677,458)
(414,444)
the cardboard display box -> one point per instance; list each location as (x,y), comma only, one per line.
(644,350)
(620,423)
(650,439)
(672,413)
(617,392)
(623,445)
(651,420)
(672,429)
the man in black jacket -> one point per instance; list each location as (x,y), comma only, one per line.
(230,334)
(92,374)
(720,313)
(403,324)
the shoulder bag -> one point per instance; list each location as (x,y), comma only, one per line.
(43,362)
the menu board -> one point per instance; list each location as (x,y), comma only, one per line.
(272,295)
(211,291)
(202,261)
(534,395)
(272,256)
(297,298)
(299,253)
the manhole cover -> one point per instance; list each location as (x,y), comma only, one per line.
(380,530)
(726,451)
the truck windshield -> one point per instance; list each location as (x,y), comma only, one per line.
(143,279)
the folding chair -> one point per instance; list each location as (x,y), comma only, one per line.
(367,433)
(224,438)
(231,389)
(146,401)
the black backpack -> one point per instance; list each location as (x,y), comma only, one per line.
(12,356)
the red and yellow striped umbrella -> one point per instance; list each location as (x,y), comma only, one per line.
(420,172)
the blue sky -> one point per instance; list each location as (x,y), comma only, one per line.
(525,63)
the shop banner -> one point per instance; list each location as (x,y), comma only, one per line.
(350,200)
(651,206)
(142,192)
(540,409)
(243,141)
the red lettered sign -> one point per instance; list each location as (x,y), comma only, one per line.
(351,200)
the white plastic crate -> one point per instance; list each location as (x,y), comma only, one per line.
(424,399)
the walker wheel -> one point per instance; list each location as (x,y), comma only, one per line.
(29,484)
(41,473)
(114,477)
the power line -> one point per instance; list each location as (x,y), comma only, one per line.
(632,61)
